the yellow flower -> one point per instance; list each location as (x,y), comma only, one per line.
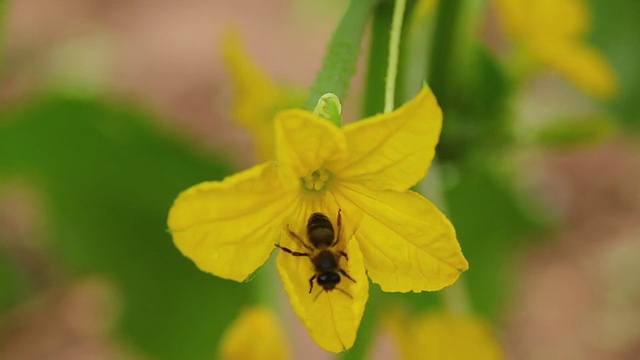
(443,336)
(256,334)
(364,169)
(424,8)
(552,32)
(257,98)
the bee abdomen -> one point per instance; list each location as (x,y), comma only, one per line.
(319,220)
(320,230)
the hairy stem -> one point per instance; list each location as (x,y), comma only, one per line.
(339,63)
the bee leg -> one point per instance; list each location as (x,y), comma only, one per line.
(345,255)
(294,253)
(311,283)
(295,236)
(339,226)
(346,275)
(344,292)
(317,295)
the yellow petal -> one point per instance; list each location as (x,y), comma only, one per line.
(257,97)
(511,16)
(551,20)
(305,142)
(255,94)
(585,67)
(558,18)
(439,335)
(393,150)
(407,243)
(331,317)
(227,227)
(400,328)
(552,33)
(256,334)
(445,336)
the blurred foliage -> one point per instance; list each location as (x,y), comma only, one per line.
(616,31)
(379,305)
(573,132)
(477,125)
(109,177)
(492,223)
(490,219)
(483,204)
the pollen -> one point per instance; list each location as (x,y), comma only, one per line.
(318,180)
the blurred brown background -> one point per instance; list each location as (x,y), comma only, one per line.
(578,293)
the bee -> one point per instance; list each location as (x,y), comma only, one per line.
(322,251)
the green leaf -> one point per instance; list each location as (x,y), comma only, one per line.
(575,132)
(476,127)
(491,224)
(616,31)
(109,177)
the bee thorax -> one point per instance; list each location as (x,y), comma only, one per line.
(325,261)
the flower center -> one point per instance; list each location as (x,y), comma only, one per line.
(317,181)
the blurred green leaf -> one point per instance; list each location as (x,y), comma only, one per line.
(476,129)
(110,177)
(476,126)
(616,31)
(575,132)
(491,224)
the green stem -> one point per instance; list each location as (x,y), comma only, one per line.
(408,85)
(339,63)
(394,51)
(373,102)
(442,50)
(378,57)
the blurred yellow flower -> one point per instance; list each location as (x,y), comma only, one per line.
(257,98)
(423,8)
(364,169)
(443,336)
(552,33)
(255,334)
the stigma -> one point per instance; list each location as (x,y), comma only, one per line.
(317,181)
